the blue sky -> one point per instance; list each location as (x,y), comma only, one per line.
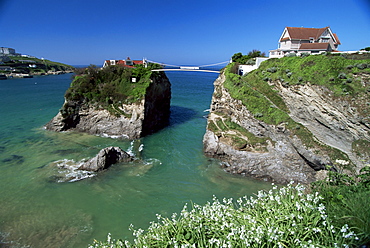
(184,32)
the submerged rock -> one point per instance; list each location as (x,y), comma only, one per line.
(105,158)
(17,159)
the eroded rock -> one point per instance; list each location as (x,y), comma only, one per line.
(105,158)
(284,156)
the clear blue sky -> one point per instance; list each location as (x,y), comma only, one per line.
(186,32)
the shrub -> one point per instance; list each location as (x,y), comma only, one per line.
(258,115)
(303,55)
(291,55)
(284,217)
(362,66)
(272,69)
(110,85)
(342,75)
(347,199)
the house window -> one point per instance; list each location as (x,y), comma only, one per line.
(311,40)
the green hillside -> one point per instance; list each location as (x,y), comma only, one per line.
(32,65)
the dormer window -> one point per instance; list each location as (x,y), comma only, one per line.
(312,40)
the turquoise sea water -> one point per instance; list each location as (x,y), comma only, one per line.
(38,209)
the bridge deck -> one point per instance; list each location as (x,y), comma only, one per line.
(186,70)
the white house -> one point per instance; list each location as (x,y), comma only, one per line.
(305,40)
(7,51)
(243,69)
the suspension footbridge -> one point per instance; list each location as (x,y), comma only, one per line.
(200,68)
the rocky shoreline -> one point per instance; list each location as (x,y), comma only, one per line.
(283,157)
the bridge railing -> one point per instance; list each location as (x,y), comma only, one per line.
(201,68)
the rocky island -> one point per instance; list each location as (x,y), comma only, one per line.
(115,101)
(292,119)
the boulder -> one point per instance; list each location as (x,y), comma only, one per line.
(105,158)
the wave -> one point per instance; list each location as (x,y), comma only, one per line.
(68,171)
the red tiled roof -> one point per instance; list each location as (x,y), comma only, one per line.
(336,38)
(123,62)
(314,46)
(305,33)
(120,62)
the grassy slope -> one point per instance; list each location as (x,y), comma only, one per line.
(338,74)
(42,65)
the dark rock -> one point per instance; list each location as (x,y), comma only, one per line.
(105,158)
(14,159)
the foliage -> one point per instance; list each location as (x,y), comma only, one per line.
(110,85)
(256,90)
(329,71)
(259,97)
(347,199)
(247,59)
(284,217)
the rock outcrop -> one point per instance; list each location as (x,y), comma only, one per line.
(105,158)
(132,121)
(279,155)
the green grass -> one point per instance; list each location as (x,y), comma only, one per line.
(257,90)
(42,64)
(347,199)
(319,70)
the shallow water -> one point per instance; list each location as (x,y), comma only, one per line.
(38,209)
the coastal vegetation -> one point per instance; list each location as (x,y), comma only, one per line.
(248,59)
(32,65)
(333,212)
(330,213)
(111,86)
(338,74)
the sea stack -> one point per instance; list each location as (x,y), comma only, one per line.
(116,102)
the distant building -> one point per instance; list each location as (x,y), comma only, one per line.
(306,40)
(126,63)
(7,51)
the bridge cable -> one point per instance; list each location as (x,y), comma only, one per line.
(183,66)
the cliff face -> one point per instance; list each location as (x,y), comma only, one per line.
(130,121)
(249,146)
